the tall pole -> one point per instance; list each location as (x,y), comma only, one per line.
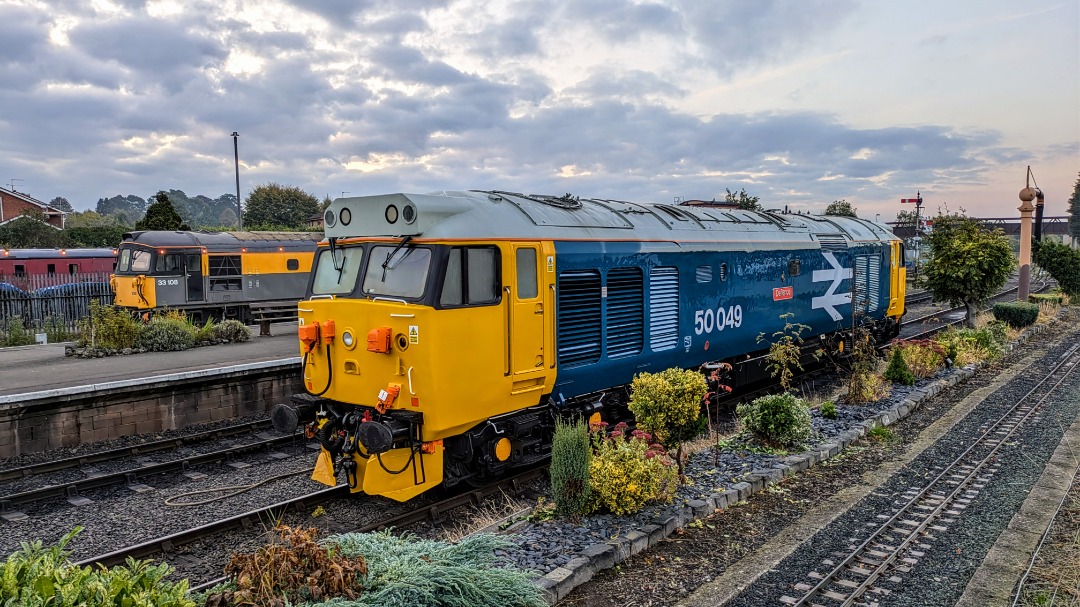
(1026,196)
(236,157)
(918,224)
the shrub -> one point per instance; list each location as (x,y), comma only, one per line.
(1017,314)
(668,404)
(924,357)
(828,410)
(232,331)
(867,387)
(1061,261)
(898,370)
(55,330)
(298,569)
(785,354)
(35,575)
(778,420)
(15,334)
(1054,298)
(404,571)
(167,333)
(571,452)
(974,345)
(108,327)
(626,472)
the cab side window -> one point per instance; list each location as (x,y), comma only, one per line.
(526,273)
(471,277)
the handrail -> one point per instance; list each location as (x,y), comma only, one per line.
(393,299)
(509,325)
(554,328)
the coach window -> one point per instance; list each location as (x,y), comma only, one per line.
(52,269)
(73,268)
(471,278)
(20,270)
(526,274)
(140,260)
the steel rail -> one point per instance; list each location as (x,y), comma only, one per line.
(1012,419)
(122,452)
(132,474)
(433,511)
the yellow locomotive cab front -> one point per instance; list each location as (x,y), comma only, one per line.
(380,361)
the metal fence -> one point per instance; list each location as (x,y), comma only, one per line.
(50,302)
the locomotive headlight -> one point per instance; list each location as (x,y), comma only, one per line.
(348,340)
(329,219)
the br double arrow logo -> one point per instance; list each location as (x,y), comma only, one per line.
(831,298)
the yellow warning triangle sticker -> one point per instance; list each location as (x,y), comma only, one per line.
(324,469)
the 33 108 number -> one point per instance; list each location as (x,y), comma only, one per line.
(705,321)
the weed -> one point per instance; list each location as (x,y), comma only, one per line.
(828,409)
(882,434)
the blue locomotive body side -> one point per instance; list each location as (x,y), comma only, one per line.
(628,307)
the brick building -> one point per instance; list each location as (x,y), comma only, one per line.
(14,204)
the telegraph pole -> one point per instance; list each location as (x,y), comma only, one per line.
(236,157)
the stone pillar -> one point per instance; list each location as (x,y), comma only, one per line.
(1026,208)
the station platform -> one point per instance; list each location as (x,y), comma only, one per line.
(30,369)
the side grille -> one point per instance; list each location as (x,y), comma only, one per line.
(579,317)
(663,308)
(625,312)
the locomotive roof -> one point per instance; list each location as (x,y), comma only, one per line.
(56,253)
(496,214)
(225,241)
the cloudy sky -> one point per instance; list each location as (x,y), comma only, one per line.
(800,102)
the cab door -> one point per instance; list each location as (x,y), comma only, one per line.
(194,276)
(528,307)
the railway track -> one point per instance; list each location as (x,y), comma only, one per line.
(162,547)
(897,545)
(83,460)
(72,491)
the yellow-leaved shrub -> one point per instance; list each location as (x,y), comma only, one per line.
(626,471)
(668,404)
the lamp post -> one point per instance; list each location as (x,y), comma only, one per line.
(236,158)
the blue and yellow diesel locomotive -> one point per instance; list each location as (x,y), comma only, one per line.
(443,332)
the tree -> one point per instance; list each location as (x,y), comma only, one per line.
(906,219)
(161,215)
(1074,213)
(326,201)
(278,206)
(840,208)
(968,262)
(30,231)
(1061,261)
(61,203)
(743,200)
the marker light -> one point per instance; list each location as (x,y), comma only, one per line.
(347,339)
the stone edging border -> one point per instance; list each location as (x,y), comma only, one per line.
(558,583)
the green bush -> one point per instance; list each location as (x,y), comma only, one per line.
(167,334)
(571,453)
(1054,298)
(923,357)
(56,331)
(404,571)
(668,404)
(777,420)
(1017,314)
(15,333)
(38,576)
(974,345)
(898,370)
(108,327)
(232,331)
(1061,261)
(828,410)
(626,472)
